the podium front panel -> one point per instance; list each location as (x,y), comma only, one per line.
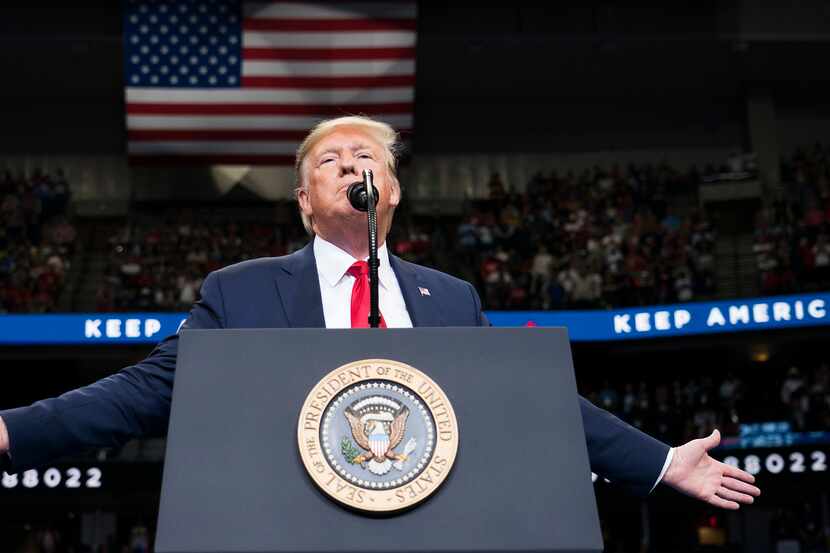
(234,480)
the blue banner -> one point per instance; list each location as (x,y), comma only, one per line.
(89,328)
(682,319)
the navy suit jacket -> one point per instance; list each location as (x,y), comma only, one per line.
(280,292)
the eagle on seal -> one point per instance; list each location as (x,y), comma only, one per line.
(378,431)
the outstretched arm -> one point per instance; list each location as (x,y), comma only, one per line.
(134,402)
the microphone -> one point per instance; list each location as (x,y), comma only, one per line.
(363,195)
(358,196)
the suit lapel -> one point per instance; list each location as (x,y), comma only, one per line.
(299,289)
(424,310)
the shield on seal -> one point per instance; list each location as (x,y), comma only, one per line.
(379,440)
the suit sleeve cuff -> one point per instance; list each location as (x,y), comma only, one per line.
(669,457)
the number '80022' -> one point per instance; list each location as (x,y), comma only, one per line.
(776,463)
(71,478)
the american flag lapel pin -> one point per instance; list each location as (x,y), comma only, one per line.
(423,291)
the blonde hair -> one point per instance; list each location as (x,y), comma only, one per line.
(379,131)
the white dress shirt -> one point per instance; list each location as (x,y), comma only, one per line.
(336,291)
(669,457)
(336,287)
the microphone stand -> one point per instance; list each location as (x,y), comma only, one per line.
(374,310)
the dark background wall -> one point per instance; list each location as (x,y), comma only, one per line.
(557,78)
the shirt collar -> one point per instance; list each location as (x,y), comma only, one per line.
(333,262)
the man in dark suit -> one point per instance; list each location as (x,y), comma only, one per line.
(326,284)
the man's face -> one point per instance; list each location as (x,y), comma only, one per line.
(336,162)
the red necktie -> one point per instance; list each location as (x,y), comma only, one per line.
(360,296)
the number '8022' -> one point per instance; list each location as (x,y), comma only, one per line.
(71,478)
(776,463)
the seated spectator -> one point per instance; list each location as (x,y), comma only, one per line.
(36,242)
(158,261)
(632,250)
(792,231)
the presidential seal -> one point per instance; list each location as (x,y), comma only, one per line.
(377,435)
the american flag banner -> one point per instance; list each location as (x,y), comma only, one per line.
(230,82)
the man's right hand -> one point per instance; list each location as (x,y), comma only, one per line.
(4,437)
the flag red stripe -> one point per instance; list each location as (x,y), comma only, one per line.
(264,109)
(312,25)
(224,159)
(327,82)
(193,135)
(328,54)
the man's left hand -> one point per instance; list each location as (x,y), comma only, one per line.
(694,473)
